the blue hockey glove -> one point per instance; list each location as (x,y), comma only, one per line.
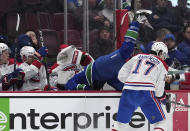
(19,73)
(43,51)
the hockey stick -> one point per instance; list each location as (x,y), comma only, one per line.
(42,44)
(17,27)
(15,51)
(177,103)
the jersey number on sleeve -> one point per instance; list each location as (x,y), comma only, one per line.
(148,70)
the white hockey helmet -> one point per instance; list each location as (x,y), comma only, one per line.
(69,55)
(27,51)
(160,46)
(66,55)
(3,47)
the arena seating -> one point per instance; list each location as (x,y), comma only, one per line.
(59,21)
(46,20)
(74,37)
(31,21)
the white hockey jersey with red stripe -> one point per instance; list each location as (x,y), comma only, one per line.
(69,62)
(144,72)
(6,69)
(35,76)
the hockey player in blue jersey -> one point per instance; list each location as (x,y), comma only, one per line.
(144,78)
(106,68)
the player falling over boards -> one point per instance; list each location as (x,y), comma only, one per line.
(144,78)
(105,68)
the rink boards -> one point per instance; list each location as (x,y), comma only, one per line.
(79,111)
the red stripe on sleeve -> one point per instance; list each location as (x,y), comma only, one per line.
(37,64)
(53,67)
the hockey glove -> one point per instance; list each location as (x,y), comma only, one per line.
(43,52)
(162,99)
(9,79)
(165,101)
(141,17)
(19,74)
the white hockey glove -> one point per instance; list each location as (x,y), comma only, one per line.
(141,17)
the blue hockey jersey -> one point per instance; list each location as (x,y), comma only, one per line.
(106,68)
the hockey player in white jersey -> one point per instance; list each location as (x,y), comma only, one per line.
(144,78)
(8,76)
(70,61)
(35,74)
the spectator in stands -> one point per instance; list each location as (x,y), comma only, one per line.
(53,6)
(147,4)
(163,18)
(182,12)
(177,59)
(160,35)
(184,46)
(104,44)
(183,18)
(32,35)
(101,4)
(95,18)
(132,9)
(74,2)
(108,10)
(73,5)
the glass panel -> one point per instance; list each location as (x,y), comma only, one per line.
(101,20)
(75,23)
(89,25)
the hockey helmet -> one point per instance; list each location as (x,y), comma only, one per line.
(69,55)
(27,51)
(3,47)
(160,46)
